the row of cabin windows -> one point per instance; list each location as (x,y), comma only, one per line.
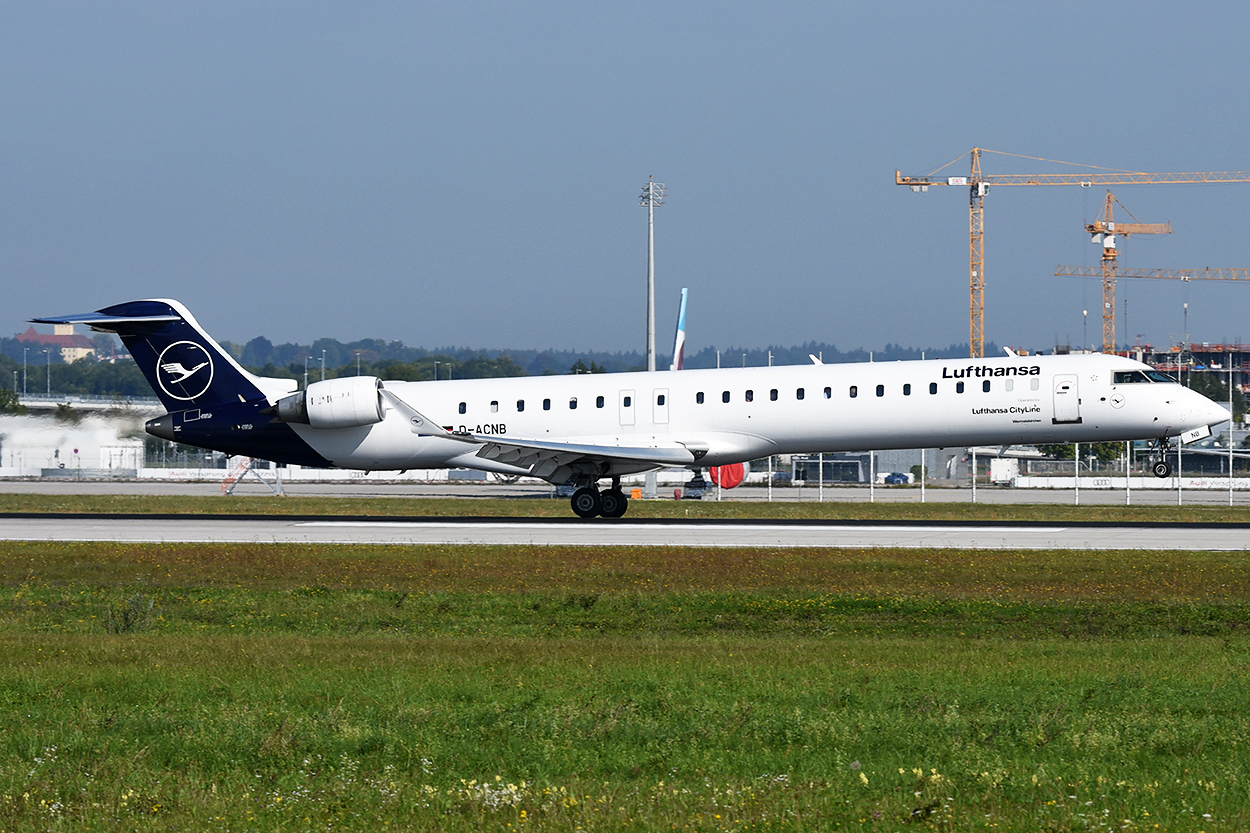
(726,396)
(800,393)
(1008,385)
(520,404)
(749,395)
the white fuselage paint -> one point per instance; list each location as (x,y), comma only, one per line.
(1025,397)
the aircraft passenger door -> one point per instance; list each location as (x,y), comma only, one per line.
(1067,399)
(659,403)
(627,407)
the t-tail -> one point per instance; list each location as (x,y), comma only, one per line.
(184,365)
(213,402)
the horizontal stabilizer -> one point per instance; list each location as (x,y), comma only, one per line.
(109,323)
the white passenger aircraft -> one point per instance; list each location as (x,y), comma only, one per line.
(586,428)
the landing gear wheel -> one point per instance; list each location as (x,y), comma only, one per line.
(615,503)
(1162,469)
(587,502)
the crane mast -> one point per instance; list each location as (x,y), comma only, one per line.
(979,185)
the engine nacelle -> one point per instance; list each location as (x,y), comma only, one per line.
(348,402)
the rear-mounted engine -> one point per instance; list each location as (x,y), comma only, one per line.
(335,403)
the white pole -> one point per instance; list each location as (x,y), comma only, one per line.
(974,475)
(1128,472)
(1076,456)
(1230,429)
(922,478)
(872,477)
(770,478)
(822,477)
(1179,487)
(650,278)
(652,195)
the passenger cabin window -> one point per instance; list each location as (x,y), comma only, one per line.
(1009,385)
(772,394)
(798,394)
(463,407)
(750,395)
(828,393)
(854,391)
(1035,384)
(698,397)
(880,390)
(933,387)
(629,402)
(546,404)
(985,386)
(573,403)
(724,397)
(906,390)
(959,387)
(520,405)
(660,399)
(494,407)
(598,401)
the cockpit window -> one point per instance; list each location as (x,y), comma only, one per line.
(1129,377)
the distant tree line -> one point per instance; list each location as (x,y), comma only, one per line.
(395,360)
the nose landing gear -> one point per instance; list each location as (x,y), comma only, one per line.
(1160,466)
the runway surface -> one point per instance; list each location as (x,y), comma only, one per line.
(561,532)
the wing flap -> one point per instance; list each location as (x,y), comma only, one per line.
(556,461)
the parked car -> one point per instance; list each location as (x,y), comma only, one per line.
(896,478)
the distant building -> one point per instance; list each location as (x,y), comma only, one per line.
(63,340)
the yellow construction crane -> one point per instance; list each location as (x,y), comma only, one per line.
(1105,230)
(979,183)
(1165,274)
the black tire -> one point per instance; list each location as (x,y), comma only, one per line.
(615,504)
(587,502)
(1162,469)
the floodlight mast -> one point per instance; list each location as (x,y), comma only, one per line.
(652,196)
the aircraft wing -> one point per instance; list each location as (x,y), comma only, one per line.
(543,458)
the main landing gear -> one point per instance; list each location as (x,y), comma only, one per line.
(1160,465)
(589,502)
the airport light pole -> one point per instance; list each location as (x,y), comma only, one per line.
(25,350)
(652,196)
(48,353)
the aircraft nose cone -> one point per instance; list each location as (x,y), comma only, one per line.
(1214,413)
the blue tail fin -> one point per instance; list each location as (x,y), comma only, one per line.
(183,364)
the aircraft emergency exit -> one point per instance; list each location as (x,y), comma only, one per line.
(587,428)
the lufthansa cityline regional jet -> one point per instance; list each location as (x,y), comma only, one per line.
(587,428)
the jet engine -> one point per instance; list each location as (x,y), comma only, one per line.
(335,403)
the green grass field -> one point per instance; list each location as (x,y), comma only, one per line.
(469,506)
(265,687)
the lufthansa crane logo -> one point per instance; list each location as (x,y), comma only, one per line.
(184,370)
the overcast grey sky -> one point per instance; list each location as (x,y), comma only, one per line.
(468,173)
